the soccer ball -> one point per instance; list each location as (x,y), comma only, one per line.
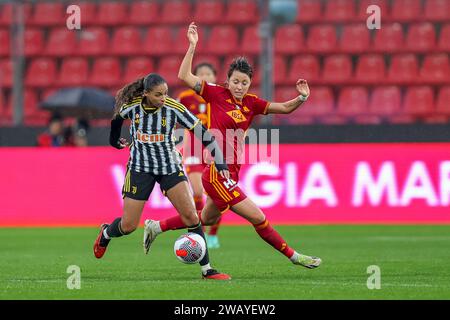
(190,248)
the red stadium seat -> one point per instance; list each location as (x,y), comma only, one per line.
(137,68)
(289,39)
(436,119)
(437,10)
(251,41)
(242,12)
(443,101)
(355,38)
(176,12)
(353,101)
(406,10)
(223,40)
(6,73)
(4,43)
(6,13)
(444,39)
(435,68)
(322,39)
(306,67)
(62,42)
(168,68)
(41,73)
(419,101)
(364,4)
(49,14)
(279,71)
(337,68)
(340,10)
(89,12)
(390,38)
(321,102)
(370,69)
(106,73)
(34,42)
(74,72)
(283,94)
(112,13)
(208,12)
(309,11)
(421,37)
(93,42)
(163,37)
(404,69)
(126,41)
(385,101)
(2,102)
(144,12)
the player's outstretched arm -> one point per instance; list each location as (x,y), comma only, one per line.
(114,134)
(185,72)
(291,105)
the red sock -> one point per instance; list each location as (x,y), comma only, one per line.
(272,237)
(199,203)
(214,228)
(173,223)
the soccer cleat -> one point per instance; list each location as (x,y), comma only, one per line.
(308,262)
(212,241)
(215,275)
(101,243)
(149,234)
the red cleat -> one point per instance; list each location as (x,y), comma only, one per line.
(215,275)
(99,250)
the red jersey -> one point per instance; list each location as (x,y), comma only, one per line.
(226,113)
(198,106)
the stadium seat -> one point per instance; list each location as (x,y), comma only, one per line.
(279,71)
(437,10)
(298,116)
(241,12)
(390,38)
(385,101)
(168,68)
(6,73)
(33,115)
(163,37)
(355,39)
(74,72)
(223,40)
(137,68)
(421,37)
(41,73)
(289,39)
(144,13)
(309,11)
(4,43)
(251,41)
(419,101)
(49,14)
(406,10)
(321,102)
(62,42)
(126,41)
(340,10)
(353,101)
(444,39)
(208,12)
(322,39)
(176,12)
(370,69)
(337,68)
(106,72)
(435,69)
(306,67)
(2,102)
(443,101)
(93,41)
(364,4)
(34,42)
(112,14)
(89,12)
(436,119)
(404,69)
(6,14)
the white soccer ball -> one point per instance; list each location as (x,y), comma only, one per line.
(190,248)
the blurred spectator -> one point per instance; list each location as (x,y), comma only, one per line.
(80,131)
(54,135)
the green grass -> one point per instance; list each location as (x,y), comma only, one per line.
(414,263)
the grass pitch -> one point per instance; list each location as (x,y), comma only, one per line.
(414,263)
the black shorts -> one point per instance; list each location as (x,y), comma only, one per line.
(139,185)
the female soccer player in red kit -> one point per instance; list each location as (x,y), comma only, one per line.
(193,158)
(231,108)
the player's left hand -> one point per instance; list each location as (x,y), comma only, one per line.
(225,174)
(302,87)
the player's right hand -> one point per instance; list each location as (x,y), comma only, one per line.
(192,34)
(223,170)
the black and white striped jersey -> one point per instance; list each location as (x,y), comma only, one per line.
(152,131)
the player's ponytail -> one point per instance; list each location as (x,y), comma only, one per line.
(240,64)
(128,93)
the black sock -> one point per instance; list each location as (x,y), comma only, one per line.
(114,230)
(198,230)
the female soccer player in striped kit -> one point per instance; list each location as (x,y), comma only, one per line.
(232,108)
(154,159)
(193,159)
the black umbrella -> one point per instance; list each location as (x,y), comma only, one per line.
(81,102)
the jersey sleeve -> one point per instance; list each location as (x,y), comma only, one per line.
(209,91)
(124,111)
(186,118)
(259,105)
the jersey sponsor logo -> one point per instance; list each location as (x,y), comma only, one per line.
(137,120)
(149,138)
(237,116)
(134,189)
(229,183)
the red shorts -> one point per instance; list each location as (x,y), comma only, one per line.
(225,193)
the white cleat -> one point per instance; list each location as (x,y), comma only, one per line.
(149,234)
(308,262)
